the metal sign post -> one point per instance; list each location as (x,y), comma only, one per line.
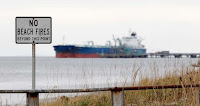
(33,65)
(33,30)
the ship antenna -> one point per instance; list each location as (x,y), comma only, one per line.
(114,40)
(130,31)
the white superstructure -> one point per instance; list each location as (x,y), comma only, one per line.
(132,42)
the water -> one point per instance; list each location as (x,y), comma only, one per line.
(72,73)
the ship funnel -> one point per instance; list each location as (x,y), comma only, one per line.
(133,34)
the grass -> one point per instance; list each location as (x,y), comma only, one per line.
(93,99)
(177,96)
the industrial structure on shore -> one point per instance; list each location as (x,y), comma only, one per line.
(167,54)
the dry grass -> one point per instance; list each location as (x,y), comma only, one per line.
(93,99)
(168,97)
(185,96)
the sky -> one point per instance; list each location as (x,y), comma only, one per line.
(171,25)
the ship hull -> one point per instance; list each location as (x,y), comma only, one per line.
(76,55)
(71,51)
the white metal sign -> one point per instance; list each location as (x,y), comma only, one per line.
(29,30)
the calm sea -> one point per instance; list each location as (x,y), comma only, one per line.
(78,73)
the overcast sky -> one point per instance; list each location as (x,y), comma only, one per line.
(172,25)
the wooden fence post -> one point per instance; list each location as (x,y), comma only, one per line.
(32,99)
(117,98)
(198,96)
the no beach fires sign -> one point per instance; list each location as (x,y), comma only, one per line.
(36,30)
